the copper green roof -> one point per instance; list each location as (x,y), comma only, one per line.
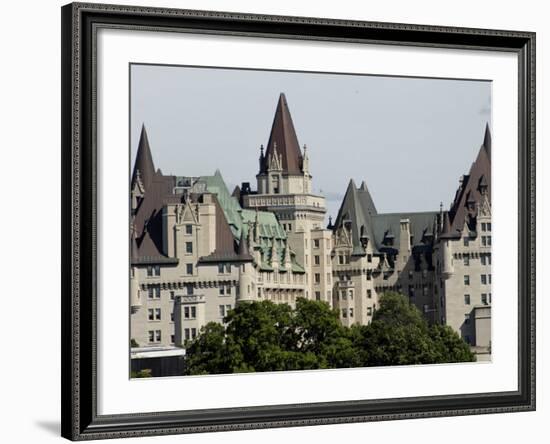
(269,229)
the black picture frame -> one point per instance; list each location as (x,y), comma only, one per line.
(79,174)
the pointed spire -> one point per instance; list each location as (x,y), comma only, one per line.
(283,135)
(287,260)
(243,246)
(144,161)
(487,140)
(133,242)
(274,254)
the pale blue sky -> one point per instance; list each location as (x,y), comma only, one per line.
(410,139)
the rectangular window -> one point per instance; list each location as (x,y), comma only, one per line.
(157,336)
(489,226)
(221,309)
(228,268)
(317,295)
(172,339)
(228,289)
(369,311)
(157,292)
(340,259)
(484,241)
(151,314)
(483,226)
(151,336)
(351,312)
(317,260)
(466,261)
(186,312)
(489,278)
(369,294)
(315,243)
(350,294)
(221,290)
(189,229)
(156,270)
(484,298)
(157,314)
(344,312)
(466,279)
(483,260)
(317,278)
(489,241)
(172,296)
(220,268)
(484,279)
(150,293)
(193,333)
(189,247)
(189,288)
(466,241)
(328,278)
(189,268)
(187,334)
(193,312)
(227,308)
(369,258)
(467,299)
(149,272)
(172,317)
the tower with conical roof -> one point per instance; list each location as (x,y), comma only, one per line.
(284,187)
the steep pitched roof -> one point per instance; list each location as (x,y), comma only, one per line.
(420,224)
(470,189)
(357,208)
(283,137)
(144,160)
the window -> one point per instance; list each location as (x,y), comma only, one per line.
(489,278)
(483,259)
(154,292)
(467,319)
(189,288)
(490,298)
(172,339)
(151,336)
(484,299)
(189,229)
(221,309)
(220,268)
(227,308)
(466,241)
(172,296)
(189,268)
(350,292)
(340,259)
(187,334)
(151,314)
(344,295)
(189,247)
(344,312)
(317,278)
(221,290)
(467,299)
(186,312)
(193,333)
(483,226)
(157,336)
(317,260)
(315,243)
(328,278)
(289,227)
(369,294)
(489,242)
(484,241)
(369,311)
(466,279)
(317,295)
(466,261)
(369,257)
(193,312)
(153,270)
(489,226)
(172,317)
(484,279)
(351,312)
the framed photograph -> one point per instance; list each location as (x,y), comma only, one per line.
(279,221)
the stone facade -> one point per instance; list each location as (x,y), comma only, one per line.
(197,250)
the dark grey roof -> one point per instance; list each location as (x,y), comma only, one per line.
(357,208)
(144,160)
(421,224)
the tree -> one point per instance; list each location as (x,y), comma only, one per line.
(263,336)
(399,335)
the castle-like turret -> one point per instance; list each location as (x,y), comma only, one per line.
(246,292)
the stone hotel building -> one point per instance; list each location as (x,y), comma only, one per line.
(197,249)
